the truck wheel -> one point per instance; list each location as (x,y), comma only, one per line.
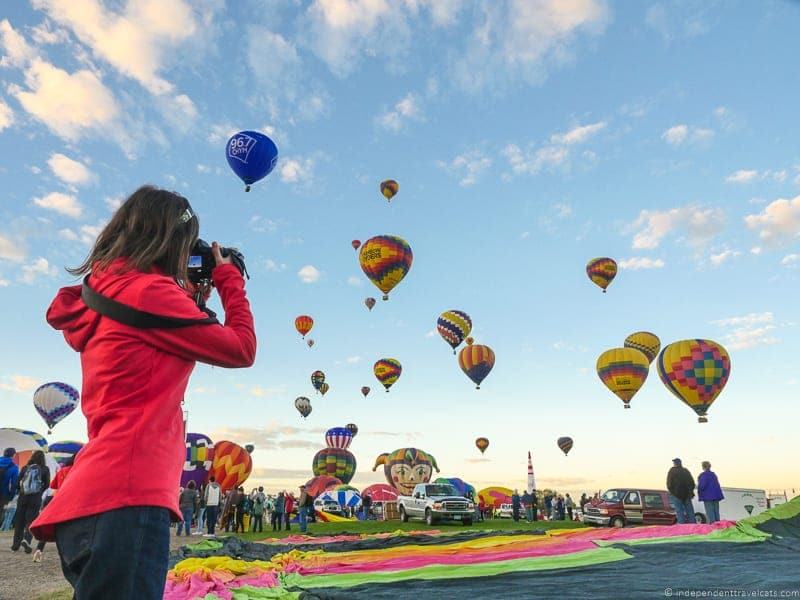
(467,522)
(403,515)
(618,522)
(699,518)
(429,517)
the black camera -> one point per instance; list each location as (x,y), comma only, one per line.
(201,262)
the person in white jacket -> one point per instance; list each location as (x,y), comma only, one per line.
(212,496)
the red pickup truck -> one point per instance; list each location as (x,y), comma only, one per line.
(619,507)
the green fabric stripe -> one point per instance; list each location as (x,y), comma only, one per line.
(787,510)
(740,533)
(203,546)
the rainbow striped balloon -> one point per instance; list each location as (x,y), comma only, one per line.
(623,371)
(335,462)
(602,271)
(387,371)
(385,259)
(476,361)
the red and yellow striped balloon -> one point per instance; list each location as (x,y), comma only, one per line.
(623,371)
(602,271)
(303,324)
(389,189)
(476,360)
(387,371)
(385,259)
(232,465)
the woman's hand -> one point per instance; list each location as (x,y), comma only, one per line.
(221,260)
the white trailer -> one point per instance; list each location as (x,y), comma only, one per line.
(739,503)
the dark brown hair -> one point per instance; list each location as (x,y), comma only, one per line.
(149,229)
(37,458)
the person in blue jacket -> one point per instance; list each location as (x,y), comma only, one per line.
(709,492)
(9,475)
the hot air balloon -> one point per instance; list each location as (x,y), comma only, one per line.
(25,443)
(389,188)
(251,155)
(385,259)
(476,361)
(495,496)
(482,443)
(695,371)
(64,450)
(352,428)
(356,244)
(317,379)
(249,448)
(303,324)
(369,303)
(338,437)
(406,467)
(231,465)
(335,462)
(565,443)
(387,371)
(303,406)
(463,488)
(365,391)
(319,483)
(323,389)
(310,343)
(454,326)
(199,459)
(645,342)
(602,271)
(54,401)
(623,371)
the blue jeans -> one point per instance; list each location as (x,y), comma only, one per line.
(211,518)
(303,514)
(8,518)
(121,553)
(188,515)
(712,510)
(683,509)
(200,514)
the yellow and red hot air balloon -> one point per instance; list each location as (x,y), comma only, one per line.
(623,371)
(389,189)
(231,466)
(356,244)
(387,371)
(482,444)
(385,259)
(695,371)
(303,324)
(646,342)
(476,360)
(602,271)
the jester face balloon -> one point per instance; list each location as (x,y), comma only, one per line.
(454,326)
(602,271)
(231,465)
(646,342)
(385,259)
(251,155)
(695,371)
(476,361)
(335,462)
(54,401)
(387,371)
(199,458)
(623,371)
(406,467)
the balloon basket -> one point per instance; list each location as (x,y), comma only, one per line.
(247,188)
(702,419)
(627,406)
(385,297)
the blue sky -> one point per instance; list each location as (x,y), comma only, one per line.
(527,137)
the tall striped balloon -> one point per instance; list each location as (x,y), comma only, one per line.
(602,271)
(385,259)
(623,371)
(303,324)
(476,360)
(454,326)
(231,465)
(335,462)
(338,437)
(387,371)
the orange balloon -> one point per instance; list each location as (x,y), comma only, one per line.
(232,465)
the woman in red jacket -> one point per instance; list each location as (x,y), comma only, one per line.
(111,518)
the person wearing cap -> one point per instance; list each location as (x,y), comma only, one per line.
(9,474)
(680,485)
(709,492)
(302,508)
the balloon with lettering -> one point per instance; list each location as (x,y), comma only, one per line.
(338,437)
(303,406)
(385,259)
(623,371)
(54,401)
(370,303)
(231,465)
(406,467)
(365,390)
(199,459)
(251,155)
(352,428)
(335,462)
(303,324)
(356,244)
(602,271)
(317,379)
(454,326)
(646,342)
(389,189)
(387,371)
(323,389)
(695,371)
(482,443)
(565,443)
(477,361)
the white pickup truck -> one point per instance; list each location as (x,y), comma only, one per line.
(435,502)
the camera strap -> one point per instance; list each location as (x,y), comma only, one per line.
(133,317)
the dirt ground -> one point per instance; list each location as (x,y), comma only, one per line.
(23,579)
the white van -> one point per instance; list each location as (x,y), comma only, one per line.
(739,503)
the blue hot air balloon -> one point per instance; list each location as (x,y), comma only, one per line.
(251,155)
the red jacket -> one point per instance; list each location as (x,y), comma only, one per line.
(133,385)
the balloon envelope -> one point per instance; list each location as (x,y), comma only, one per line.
(199,459)
(231,465)
(54,401)
(303,406)
(495,496)
(389,188)
(646,342)
(695,371)
(335,462)
(454,326)
(352,428)
(303,324)
(251,155)
(623,371)
(64,450)
(380,492)
(356,244)
(477,362)
(370,303)
(387,371)
(482,443)
(365,391)
(565,443)
(462,487)
(602,271)
(345,495)
(317,379)
(318,484)
(385,260)
(24,442)
(323,389)
(338,437)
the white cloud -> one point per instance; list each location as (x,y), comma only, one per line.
(38,268)
(113,203)
(309,274)
(718,259)
(274,267)
(755,250)
(635,263)
(790,259)
(4,282)
(44,34)
(532,162)
(221,132)
(297,170)
(578,135)
(16,51)
(742,176)
(563,210)
(22,384)
(185,105)
(352,360)
(524,235)
(748,320)
(354,281)
(698,224)
(678,134)
(11,250)
(262,224)
(406,109)
(68,170)
(267,392)
(6,115)
(778,223)
(63,204)
(748,331)
(468,166)
(68,234)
